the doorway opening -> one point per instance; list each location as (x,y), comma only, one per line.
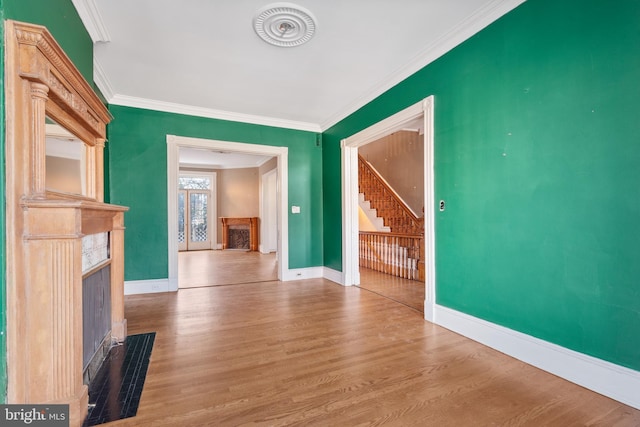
(196,211)
(421,111)
(231,262)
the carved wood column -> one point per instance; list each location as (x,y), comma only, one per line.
(118,322)
(90,169)
(39,97)
(53,309)
(98,172)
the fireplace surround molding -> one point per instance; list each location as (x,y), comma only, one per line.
(250,222)
(44,228)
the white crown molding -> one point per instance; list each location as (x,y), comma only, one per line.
(101,80)
(458,34)
(170,107)
(92,20)
(611,380)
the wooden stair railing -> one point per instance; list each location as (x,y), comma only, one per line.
(390,207)
(391,253)
(401,252)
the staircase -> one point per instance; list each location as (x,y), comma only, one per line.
(373,222)
(396,214)
(399,249)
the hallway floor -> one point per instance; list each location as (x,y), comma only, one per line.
(229,267)
(404,291)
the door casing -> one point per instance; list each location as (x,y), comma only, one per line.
(349,147)
(174,143)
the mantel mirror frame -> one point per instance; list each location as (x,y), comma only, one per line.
(44,229)
(49,85)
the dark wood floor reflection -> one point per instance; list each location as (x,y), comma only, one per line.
(314,353)
(404,291)
(229,267)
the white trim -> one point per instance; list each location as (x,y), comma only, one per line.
(333,275)
(170,107)
(101,80)
(263,211)
(350,267)
(173,171)
(203,166)
(350,224)
(282,155)
(458,34)
(429,207)
(614,381)
(385,127)
(92,20)
(152,286)
(303,273)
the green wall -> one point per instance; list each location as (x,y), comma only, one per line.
(538,158)
(138,179)
(62,21)
(60,17)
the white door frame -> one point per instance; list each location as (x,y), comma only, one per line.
(264,207)
(350,262)
(281,153)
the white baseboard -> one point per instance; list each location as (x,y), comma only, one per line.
(133,287)
(429,311)
(302,273)
(264,250)
(614,381)
(333,275)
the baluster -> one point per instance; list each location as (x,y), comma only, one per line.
(386,254)
(377,258)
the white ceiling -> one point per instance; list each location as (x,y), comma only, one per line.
(202,57)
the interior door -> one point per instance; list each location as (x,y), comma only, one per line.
(199,235)
(196,211)
(194,220)
(182,220)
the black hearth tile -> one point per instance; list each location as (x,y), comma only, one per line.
(117,387)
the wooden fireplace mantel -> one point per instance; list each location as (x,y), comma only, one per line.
(252,222)
(45,228)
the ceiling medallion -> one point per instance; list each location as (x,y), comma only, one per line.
(284,24)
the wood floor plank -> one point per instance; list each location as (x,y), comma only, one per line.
(311,352)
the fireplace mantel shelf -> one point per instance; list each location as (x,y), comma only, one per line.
(250,222)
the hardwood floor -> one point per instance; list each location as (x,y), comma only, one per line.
(404,291)
(216,268)
(312,352)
